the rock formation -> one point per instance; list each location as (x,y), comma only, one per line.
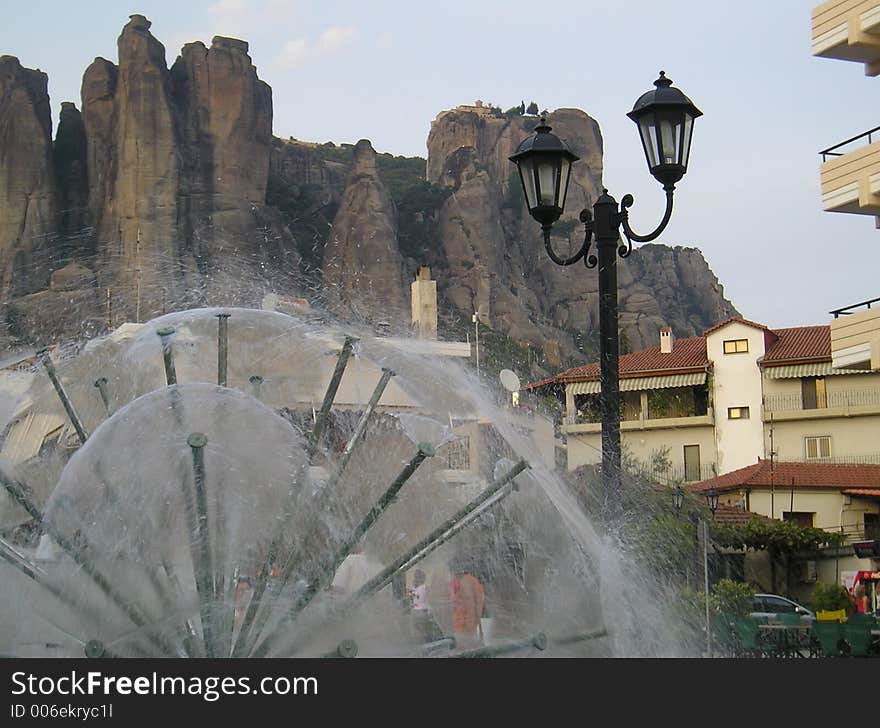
(69,160)
(495,262)
(363,268)
(307,189)
(27,184)
(226,141)
(137,229)
(169,190)
(161,182)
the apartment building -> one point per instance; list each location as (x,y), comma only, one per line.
(849,30)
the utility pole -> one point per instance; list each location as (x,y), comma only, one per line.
(706,586)
(137,254)
(477,339)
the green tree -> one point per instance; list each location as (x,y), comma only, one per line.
(780,539)
(532,109)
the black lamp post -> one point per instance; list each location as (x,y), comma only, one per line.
(665,118)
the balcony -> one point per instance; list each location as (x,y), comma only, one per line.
(645,409)
(674,474)
(848,30)
(662,423)
(850,175)
(842,403)
(855,336)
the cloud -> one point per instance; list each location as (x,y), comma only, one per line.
(332,39)
(294,53)
(301,51)
(243,19)
(239,16)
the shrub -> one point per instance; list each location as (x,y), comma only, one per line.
(732,597)
(830,598)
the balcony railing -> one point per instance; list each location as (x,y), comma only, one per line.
(864,459)
(869,397)
(838,149)
(848,310)
(588,416)
(855,533)
(673,474)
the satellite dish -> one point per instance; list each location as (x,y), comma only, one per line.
(509,380)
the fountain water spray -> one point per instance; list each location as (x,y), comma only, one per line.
(200,520)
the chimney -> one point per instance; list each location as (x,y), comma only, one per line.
(666,340)
(424,304)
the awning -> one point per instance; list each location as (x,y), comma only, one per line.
(796,371)
(635,384)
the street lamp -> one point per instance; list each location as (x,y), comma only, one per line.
(665,119)
(712,500)
(677,499)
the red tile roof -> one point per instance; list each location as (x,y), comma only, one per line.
(734,319)
(797,343)
(784,475)
(736,516)
(800,342)
(541,383)
(862,491)
(685,354)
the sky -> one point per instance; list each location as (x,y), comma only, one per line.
(382,70)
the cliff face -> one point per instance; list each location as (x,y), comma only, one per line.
(363,268)
(69,159)
(137,228)
(307,189)
(168,191)
(226,139)
(27,186)
(161,185)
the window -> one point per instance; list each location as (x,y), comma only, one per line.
(818,447)
(872,526)
(692,463)
(737,413)
(813,393)
(736,346)
(799,518)
(779,605)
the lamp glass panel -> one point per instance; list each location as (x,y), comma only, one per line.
(548,172)
(686,139)
(679,126)
(667,142)
(564,172)
(527,173)
(649,140)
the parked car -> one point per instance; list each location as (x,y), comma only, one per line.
(771,605)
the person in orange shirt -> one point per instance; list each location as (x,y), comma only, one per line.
(467,600)
(861,599)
